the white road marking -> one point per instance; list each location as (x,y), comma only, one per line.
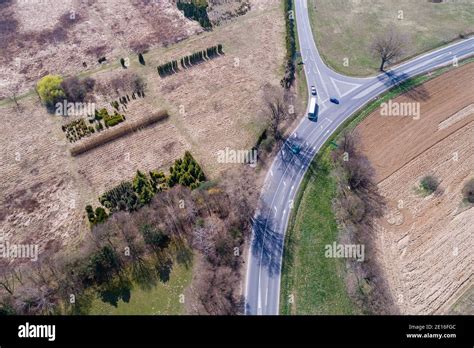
(335,82)
(368,90)
(266,293)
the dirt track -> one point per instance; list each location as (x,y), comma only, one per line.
(426,243)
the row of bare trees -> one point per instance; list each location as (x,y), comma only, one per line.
(220,239)
(357,206)
(280,111)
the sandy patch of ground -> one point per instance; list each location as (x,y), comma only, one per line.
(425,243)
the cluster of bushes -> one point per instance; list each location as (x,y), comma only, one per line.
(289,77)
(50,91)
(186,172)
(113,120)
(168,68)
(53,89)
(468,191)
(97,216)
(77,129)
(194,58)
(429,184)
(122,197)
(124,100)
(190,60)
(198,57)
(214,51)
(130,196)
(109,120)
(195,10)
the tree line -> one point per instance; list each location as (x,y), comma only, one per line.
(357,206)
(289,77)
(186,62)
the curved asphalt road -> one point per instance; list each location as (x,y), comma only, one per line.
(262,291)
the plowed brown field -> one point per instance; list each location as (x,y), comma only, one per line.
(425,243)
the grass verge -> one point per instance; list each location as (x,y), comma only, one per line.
(312,283)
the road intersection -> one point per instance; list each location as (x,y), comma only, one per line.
(262,292)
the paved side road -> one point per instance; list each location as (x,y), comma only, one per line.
(262,291)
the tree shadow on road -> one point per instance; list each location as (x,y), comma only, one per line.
(403,82)
(295,161)
(267,244)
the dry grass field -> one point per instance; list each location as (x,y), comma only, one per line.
(347,28)
(214,105)
(45,36)
(425,242)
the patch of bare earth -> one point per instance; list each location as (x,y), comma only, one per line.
(425,242)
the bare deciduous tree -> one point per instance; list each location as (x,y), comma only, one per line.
(389,46)
(13,91)
(278,113)
(7,280)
